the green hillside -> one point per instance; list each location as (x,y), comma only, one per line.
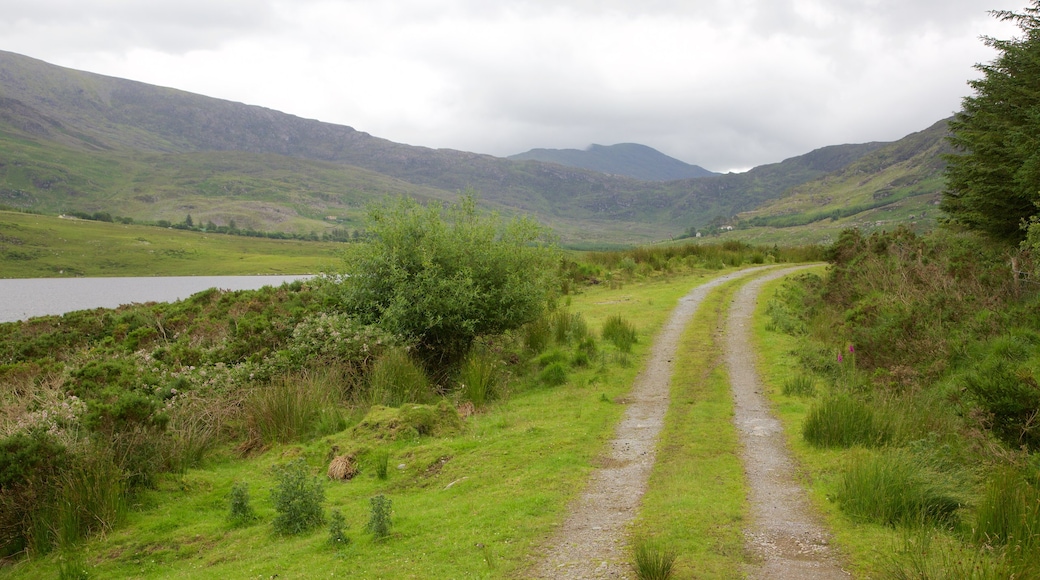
(896,185)
(76,141)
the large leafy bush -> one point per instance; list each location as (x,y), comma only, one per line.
(442,276)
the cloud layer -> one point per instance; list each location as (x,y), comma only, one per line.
(722,84)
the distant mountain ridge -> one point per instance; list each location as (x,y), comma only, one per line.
(627,159)
(77,141)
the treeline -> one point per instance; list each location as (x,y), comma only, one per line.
(333,235)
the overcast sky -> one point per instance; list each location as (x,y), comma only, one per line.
(725,84)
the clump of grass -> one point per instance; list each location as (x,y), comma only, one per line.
(538,334)
(653,561)
(930,555)
(192,431)
(291,408)
(338,529)
(893,488)
(240,510)
(478,378)
(396,379)
(90,497)
(379,520)
(568,327)
(800,386)
(1009,513)
(72,567)
(298,498)
(620,332)
(553,375)
(843,421)
(382,463)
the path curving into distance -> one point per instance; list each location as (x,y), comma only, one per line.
(591,542)
(785,538)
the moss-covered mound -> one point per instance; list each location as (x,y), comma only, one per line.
(408,421)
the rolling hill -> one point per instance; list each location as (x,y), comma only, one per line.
(77,141)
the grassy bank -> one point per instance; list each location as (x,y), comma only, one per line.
(905,377)
(472,501)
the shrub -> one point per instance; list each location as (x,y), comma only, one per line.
(379,520)
(478,378)
(240,511)
(653,562)
(895,489)
(1005,386)
(620,332)
(396,380)
(843,421)
(298,498)
(334,338)
(338,529)
(443,276)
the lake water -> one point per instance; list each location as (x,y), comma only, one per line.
(24,298)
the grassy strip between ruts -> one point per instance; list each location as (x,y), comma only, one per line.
(695,502)
(859,544)
(475,505)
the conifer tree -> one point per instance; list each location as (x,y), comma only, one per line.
(993,181)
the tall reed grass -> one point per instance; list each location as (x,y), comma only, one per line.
(396,379)
(478,378)
(1009,513)
(292,408)
(891,487)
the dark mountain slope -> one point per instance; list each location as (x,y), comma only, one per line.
(627,159)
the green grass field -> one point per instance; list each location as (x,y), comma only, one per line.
(37,246)
(475,505)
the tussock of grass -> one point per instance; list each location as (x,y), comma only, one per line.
(620,332)
(653,561)
(800,386)
(478,378)
(892,488)
(1009,513)
(842,421)
(292,408)
(396,379)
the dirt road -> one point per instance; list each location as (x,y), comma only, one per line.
(591,542)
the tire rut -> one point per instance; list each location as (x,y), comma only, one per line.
(786,539)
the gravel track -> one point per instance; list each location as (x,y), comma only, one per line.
(591,543)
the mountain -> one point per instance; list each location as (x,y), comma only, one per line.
(77,141)
(627,159)
(899,184)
